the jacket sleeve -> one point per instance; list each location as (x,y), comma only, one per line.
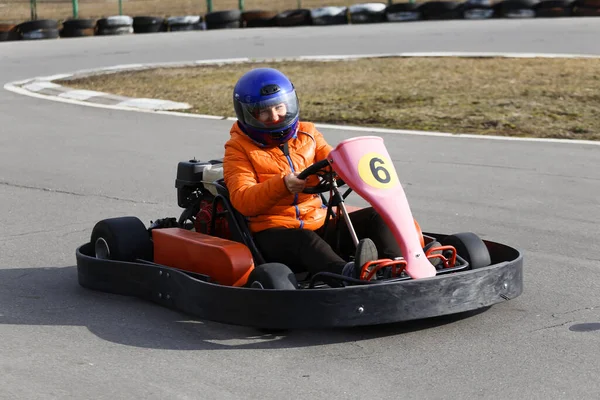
(247,195)
(323,148)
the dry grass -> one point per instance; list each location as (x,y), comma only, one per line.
(19,10)
(554,98)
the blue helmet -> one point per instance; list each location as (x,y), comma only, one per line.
(266,106)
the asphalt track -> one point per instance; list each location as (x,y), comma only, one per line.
(63,167)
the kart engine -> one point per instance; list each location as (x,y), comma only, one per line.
(196,194)
(191,180)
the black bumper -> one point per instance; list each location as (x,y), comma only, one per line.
(310,308)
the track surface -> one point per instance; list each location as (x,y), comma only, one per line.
(64,167)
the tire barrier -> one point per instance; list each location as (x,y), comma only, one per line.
(8,33)
(300,17)
(586,8)
(77,28)
(440,10)
(33,30)
(146,24)
(554,8)
(114,25)
(257,19)
(185,23)
(476,9)
(362,13)
(223,19)
(515,9)
(401,12)
(329,16)
(367,13)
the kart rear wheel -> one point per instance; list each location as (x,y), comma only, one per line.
(122,239)
(470,247)
(272,276)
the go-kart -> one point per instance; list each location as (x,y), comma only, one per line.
(206,264)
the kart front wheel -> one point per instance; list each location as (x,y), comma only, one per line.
(272,276)
(470,247)
(122,239)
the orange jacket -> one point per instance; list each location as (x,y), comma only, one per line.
(254,178)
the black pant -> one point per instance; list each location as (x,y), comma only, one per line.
(315,251)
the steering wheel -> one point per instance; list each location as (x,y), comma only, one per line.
(324,171)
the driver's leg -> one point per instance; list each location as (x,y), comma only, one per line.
(300,249)
(367,223)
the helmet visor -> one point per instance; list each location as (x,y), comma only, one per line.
(272,114)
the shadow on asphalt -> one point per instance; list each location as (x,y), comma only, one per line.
(52,296)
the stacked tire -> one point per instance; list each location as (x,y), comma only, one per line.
(299,17)
(367,13)
(402,12)
(329,16)
(586,8)
(515,9)
(8,33)
(476,9)
(146,24)
(72,28)
(184,23)
(37,30)
(228,19)
(257,19)
(440,10)
(114,25)
(553,8)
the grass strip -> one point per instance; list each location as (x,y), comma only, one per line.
(544,98)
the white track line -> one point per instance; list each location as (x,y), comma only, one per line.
(78,97)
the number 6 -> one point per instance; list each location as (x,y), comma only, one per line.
(380,169)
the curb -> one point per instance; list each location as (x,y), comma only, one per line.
(45,88)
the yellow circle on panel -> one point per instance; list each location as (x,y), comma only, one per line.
(378,171)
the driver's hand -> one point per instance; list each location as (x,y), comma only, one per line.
(293,184)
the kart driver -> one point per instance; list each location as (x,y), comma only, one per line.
(267,150)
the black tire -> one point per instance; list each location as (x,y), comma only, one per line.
(182,27)
(401,7)
(41,34)
(553,8)
(340,19)
(37,25)
(141,20)
(366,17)
(299,17)
(148,28)
(581,11)
(593,4)
(126,238)
(114,22)
(9,36)
(470,247)
(440,10)
(119,30)
(257,19)
(72,33)
(78,24)
(258,23)
(272,276)
(148,24)
(226,25)
(473,10)
(222,17)
(506,8)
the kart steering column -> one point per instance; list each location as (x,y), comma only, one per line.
(341,204)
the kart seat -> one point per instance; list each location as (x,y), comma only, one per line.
(237,222)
